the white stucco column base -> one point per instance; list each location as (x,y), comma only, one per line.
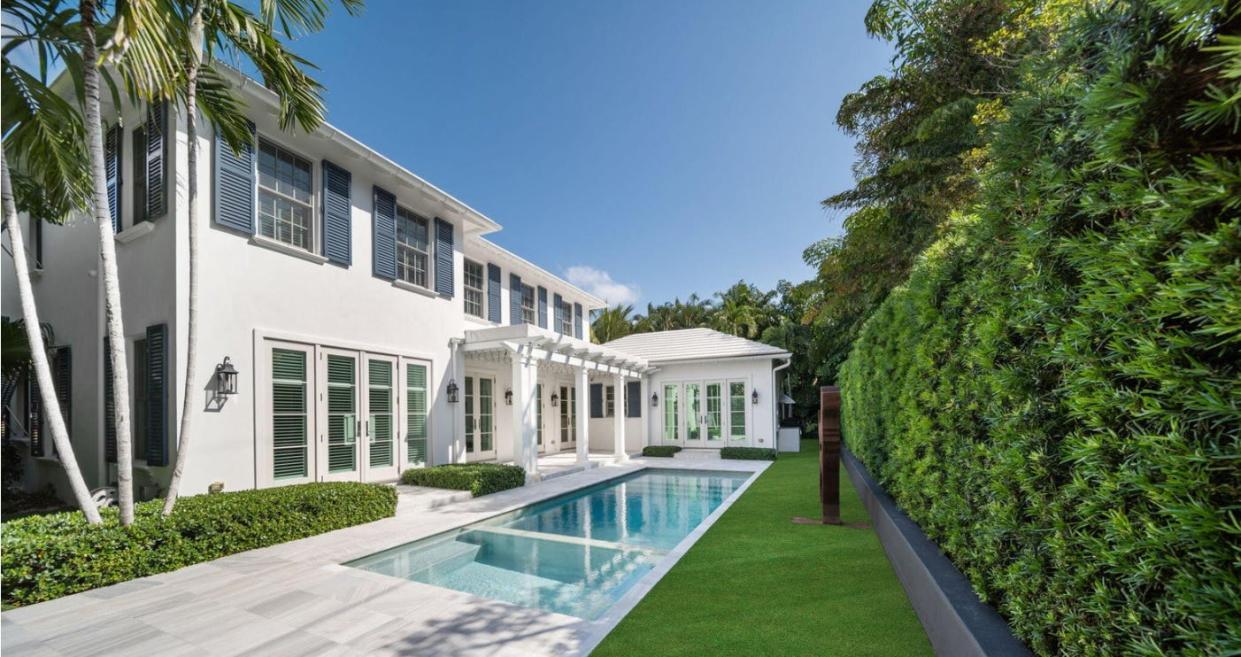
(525,420)
(618,419)
(583,416)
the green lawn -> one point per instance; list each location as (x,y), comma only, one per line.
(756,584)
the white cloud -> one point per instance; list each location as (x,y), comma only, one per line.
(600,284)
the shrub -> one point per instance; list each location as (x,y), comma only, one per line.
(748,453)
(478,478)
(1053,394)
(660,450)
(49,556)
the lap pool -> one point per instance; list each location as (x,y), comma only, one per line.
(576,554)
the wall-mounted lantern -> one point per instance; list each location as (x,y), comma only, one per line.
(754,397)
(555,399)
(452,391)
(225,378)
(508,397)
(654,399)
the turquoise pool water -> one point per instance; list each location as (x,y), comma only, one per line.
(575,554)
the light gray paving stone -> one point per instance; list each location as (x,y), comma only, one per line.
(298,643)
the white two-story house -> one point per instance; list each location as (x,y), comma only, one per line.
(372,325)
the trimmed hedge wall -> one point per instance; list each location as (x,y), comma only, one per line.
(660,450)
(1055,394)
(478,478)
(748,453)
(49,556)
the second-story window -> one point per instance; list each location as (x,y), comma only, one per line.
(474,289)
(412,247)
(285,192)
(527,304)
(566,318)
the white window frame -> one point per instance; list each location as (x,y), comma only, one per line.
(467,288)
(410,215)
(566,325)
(609,401)
(313,204)
(529,314)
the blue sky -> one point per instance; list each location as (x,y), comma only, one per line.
(671,147)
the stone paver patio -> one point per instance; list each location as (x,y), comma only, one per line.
(296,599)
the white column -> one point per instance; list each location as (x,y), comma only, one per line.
(618,419)
(645,409)
(525,428)
(456,373)
(583,416)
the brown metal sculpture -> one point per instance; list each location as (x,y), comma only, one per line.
(829,458)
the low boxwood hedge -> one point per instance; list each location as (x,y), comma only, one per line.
(748,453)
(478,478)
(660,450)
(49,556)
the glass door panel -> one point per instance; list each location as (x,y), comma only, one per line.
(340,449)
(737,412)
(380,425)
(415,414)
(713,418)
(693,413)
(568,417)
(672,415)
(479,418)
(290,414)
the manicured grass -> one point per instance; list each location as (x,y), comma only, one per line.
(756,584)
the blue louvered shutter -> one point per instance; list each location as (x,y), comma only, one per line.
(596,400)
(109,404)
(234,185)
(444,281)
(337,214)
(542,307)
(633,399)
(157,161)
(34,416)
(514,299)
(557,313)
(577,321)
(157,394)
(493,293)
(112,143)
(383,234)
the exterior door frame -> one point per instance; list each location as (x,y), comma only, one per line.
(678,411)
(749,415)
(402,387)
(474,387)
(265,439)
(568,395)
(721,439)
(324,472)
(393,470)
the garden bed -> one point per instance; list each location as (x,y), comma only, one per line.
(478,478)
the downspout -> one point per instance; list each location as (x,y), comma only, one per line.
(775,408)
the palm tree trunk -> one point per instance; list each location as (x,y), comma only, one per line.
(38,353)
(189,397)
(107,254)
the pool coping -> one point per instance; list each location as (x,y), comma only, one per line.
(296,598)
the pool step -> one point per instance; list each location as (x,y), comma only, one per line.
(697,454)
(441,557)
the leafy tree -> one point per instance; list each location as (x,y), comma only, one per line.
(612,323)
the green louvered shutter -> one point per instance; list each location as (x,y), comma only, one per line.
(290,457)
(158,139)
(379,400)
(416,414)
(109,404)
(112,142)
(157,394)
(596,400)
(337,214)
(342,413)
(633,399)
(34,416)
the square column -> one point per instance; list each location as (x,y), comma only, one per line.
(644,408)
(525,419)
(456,374)
(583,416)
(618,420)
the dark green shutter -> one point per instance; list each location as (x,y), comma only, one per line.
(112,143)
(383,234)
(157,394)
(158,139)
(337,214)
(596,400)
(444,280)
(493,293)
(557,312)
(109,404)
(633,399)
(577,321)
(34,415)
(234,185)
(542,307)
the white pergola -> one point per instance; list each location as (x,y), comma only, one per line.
(527,348)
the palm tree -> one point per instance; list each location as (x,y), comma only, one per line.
(45,134)
(219,25)
(743,310)
(612,323)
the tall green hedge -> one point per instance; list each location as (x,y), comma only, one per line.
(49,556)
(1055,394)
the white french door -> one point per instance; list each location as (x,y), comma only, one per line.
(568,417)
(339,422)
(480,421)
(380,423)
(710,413)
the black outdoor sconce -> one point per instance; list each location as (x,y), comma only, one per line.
(225,378)
(508,397)
(555,399)
(754,397)
(654,399)
(452,391)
